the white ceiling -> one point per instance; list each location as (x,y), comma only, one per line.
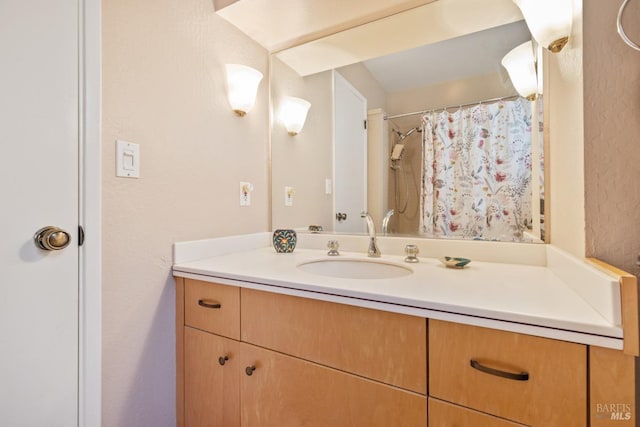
(470,55)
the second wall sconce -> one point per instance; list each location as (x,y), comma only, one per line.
(242,87)
(521,66)
(293,113)
(548,20)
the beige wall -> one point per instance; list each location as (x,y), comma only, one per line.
(163,88)
(564,119)
(612,133)
(362,79)
(303,161)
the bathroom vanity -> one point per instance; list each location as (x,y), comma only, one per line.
(542,340)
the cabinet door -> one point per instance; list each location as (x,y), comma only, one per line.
(284,391)
(211,384)
(443,414)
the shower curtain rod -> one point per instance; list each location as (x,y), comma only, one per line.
(486,101)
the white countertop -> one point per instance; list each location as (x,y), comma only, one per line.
(523,298)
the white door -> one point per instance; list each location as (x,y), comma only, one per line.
(38,187)
(350,156)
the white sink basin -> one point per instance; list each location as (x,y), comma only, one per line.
(350,268)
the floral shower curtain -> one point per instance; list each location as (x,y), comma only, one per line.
(476,180)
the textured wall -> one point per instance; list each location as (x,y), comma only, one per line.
(163,87)
(612,132)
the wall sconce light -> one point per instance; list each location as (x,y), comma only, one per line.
(521,66)
(548,20)
(293,113)
(242,86)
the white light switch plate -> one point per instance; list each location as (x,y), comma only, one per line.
(127,159)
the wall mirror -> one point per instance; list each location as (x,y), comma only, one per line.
(439,157)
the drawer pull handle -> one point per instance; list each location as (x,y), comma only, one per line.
(522,376)
(249,370)
(223,360)
(205,304)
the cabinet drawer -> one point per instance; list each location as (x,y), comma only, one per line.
(553,394)
(383,346)
(212,307)
(443,414)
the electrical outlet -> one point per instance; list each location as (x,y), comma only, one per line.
(245,193)
(288,196)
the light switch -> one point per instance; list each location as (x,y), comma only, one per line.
(328,186)
(127,159)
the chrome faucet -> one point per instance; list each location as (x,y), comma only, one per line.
(385,221)
(374,251)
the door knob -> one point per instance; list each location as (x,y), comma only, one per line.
(52,238)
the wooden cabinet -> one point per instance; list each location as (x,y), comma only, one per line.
(253,358)
(211,379)
(212,307)
(531,380)
(294,361)
(612,388)
(444,414)
(285,391)
(387,347)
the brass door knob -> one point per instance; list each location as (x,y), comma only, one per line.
(52,238)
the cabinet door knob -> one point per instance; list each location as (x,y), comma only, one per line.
(249,370)
(520,376)
(207,304)
(222,360)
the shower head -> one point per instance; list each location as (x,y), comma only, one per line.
(402,136)
(412,130)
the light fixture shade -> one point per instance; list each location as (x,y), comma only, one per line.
(548,20)
(293,113)
(520,65)
(242,86)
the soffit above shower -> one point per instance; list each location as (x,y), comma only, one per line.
(463,57)
(326,34)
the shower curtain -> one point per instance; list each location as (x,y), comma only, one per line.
(476,175)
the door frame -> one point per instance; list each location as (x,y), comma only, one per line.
(90,198)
